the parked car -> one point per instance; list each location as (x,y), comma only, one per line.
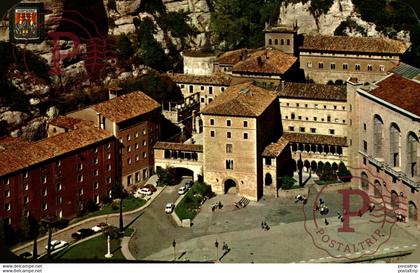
(145,191)
(182,190)
(82,233)
(189,184)
(169,208)
(26,255)
(57,244)
(150,187)
(96,229)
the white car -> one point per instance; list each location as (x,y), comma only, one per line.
(145,191)
(57,244)
(169,208)
(96,229)
(182,190)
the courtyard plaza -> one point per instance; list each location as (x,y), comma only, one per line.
(285,241)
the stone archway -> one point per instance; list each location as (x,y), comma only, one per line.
(365,181)
(230,186)
(268,179)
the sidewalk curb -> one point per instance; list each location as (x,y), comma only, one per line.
(125,250)
(174,215)
(147,204)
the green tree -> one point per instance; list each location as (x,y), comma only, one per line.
(166,176)
(124,47)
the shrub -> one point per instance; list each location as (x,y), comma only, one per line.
(287,182)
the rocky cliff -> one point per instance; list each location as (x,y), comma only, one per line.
(327,23)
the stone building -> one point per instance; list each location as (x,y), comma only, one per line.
(267,67)
(134,119)
(198,62)
(332,58)
(208,86)
(225,62)
(314,119)
(384,141)
(57,176)
(238,125)
(281,37)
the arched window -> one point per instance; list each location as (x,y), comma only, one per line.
(292,116)
(395,145)
(288,41)
(378,189)
(276,42)
(365,181)
(378,136)
(412,142)
(282,42)
(395,204)
(270,41)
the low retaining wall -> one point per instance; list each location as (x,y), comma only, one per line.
(336,186)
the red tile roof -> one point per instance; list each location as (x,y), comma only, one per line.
(400,92)
(315,139)
(266,61)
(276,148)
(313,91)
(161,145)
(215,79)
(353,44)
(26,154)
(126,106)
(232,57)
(65,122)
(246,100)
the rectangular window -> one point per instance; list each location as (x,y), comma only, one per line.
(109,180)
(58,187)
(95,160)
(108,167)
(80,166)
(268,161)
(369,67)
(210,100)
(245,123)
(228,122)
(6,193)
(357,67)
(228,135)
(80,178)
(229,148)
(313,130)
(364,126)
(26,175)
(136,146)
(59,200)
(58,163)
(201,87)
(26,186)
(7,206)
(128,148)
(128,137)
(137,158)
(144,132)
(332,66)
(144,154)
(212,133)
(129,161)
(202,100)
(302,129)
(210,90)
(382,68)
(44,192)
(43,179)
(332,131)
(80,192)
(211,121)
(96,172)
(229,164)
(108,156)
(245,135)
(315,118)
(144,143)
(345,66)
(96,185)
(329,118)
(365,147)
(291,128)
(26,199)
(321,65)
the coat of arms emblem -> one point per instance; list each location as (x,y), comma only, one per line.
(27,23)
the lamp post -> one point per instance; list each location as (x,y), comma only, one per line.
(50,222)
(216,244)
(174,245)
(109,254)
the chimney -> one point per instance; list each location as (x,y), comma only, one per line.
(282,85)
(101,121)
(114,92)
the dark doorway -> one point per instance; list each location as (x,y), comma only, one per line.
(230,186)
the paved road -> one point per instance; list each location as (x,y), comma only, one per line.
(286,241)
